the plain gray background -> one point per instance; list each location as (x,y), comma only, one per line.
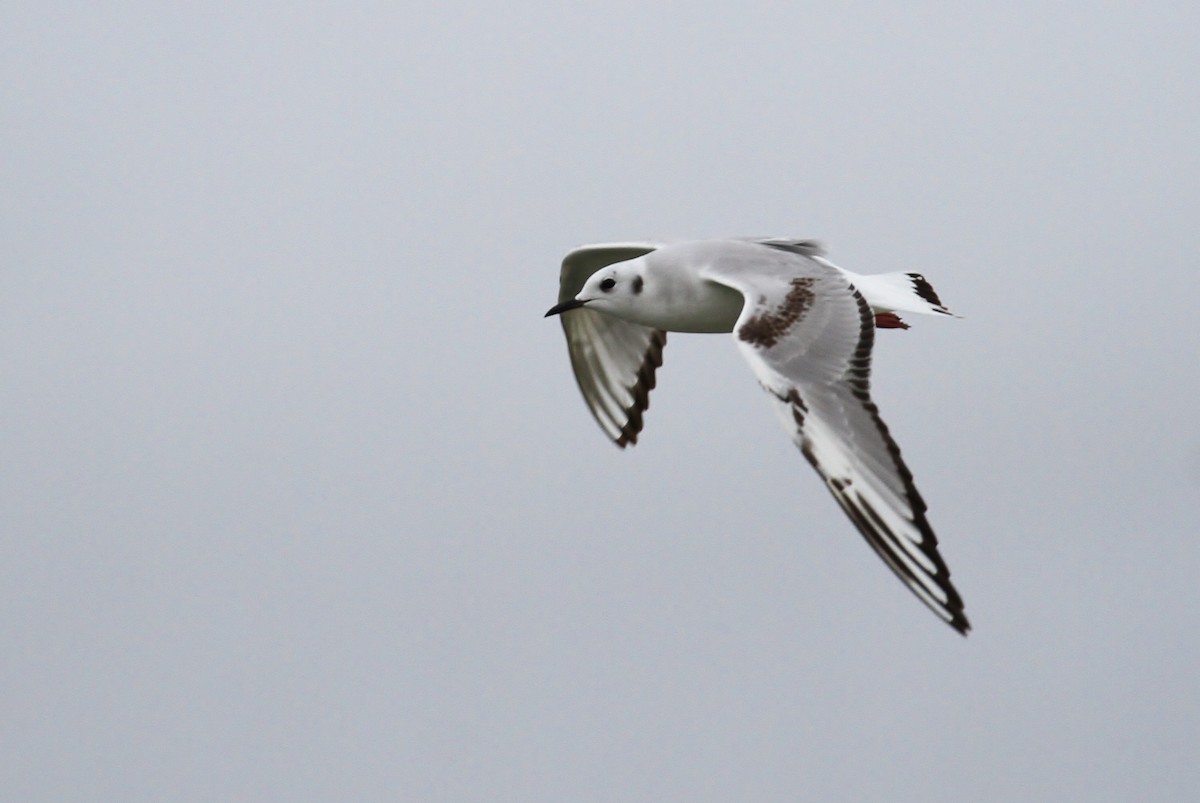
(299,499)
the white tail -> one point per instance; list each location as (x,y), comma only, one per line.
(898,292)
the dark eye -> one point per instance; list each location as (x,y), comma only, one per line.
(608,284)
(637,284)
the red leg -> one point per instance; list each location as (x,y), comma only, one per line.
(889,320)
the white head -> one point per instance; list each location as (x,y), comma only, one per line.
(615,289)
(664,289)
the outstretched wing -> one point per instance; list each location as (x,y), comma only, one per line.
(807,333)
(614,360)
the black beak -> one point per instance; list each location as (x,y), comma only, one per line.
(559,309)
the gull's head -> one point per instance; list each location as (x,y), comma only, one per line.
(614,289)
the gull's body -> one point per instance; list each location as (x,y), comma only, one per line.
(807,329)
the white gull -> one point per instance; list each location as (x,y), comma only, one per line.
(806,327)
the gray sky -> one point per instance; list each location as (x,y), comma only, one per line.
(299,500)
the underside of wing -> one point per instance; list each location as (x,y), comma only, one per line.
(614,360)
(614,363)
(808,333)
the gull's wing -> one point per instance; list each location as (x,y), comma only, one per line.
(614,360)
(807,333)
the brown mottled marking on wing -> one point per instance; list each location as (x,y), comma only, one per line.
(765,329)
(641,390)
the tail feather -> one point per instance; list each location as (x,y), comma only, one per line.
(899,292)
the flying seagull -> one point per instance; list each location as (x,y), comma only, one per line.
(805,326)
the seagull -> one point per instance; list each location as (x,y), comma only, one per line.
(806,327)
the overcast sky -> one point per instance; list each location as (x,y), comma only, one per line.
(299,500)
